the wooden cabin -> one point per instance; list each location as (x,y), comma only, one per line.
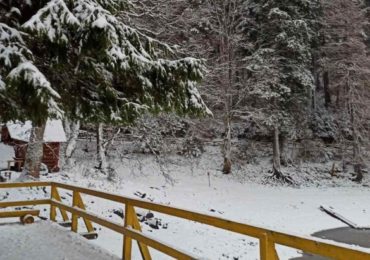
(18,135)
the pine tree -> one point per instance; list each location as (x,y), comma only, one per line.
(347,68)
(279,65)
(98,68)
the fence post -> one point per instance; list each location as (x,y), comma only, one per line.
(74,216)
(267,248)
(127,241)
(53,209)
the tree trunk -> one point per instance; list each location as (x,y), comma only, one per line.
(34,152)
(276,152)
(357,158)
(72,130)
(277,174)
(327,89)
(283,156)
(101,149)
(227,147)
(316,74)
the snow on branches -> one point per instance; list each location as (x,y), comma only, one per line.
(100,65)
(12,46)
(53,20)
(27,75)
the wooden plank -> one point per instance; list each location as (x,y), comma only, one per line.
(92,217)
(6,185)
(18,213)
(53,209)
(226,224)
(160,246)
(176,253)
(74,216)
(339,217)
(312,245)
(127,240)
(55,195)
(5,204)
(81,205)
(267,248)
(136,225)
(319,247)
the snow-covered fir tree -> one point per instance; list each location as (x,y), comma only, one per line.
(279,64)
(79,59)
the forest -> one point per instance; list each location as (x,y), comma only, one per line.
(285,80)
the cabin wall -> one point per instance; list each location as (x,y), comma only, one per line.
(5,136)
(51,156)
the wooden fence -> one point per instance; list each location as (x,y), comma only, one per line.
(131,229)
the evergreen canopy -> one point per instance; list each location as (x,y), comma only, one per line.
(285,36)
(80,59)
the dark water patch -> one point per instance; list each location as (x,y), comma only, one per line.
(347,235)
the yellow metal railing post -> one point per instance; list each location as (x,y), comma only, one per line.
(74,216)
(53,209)
(267,248)
(127,241)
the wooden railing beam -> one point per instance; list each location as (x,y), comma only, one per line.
(5,204)
(132,230)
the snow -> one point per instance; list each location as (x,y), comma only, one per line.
(54,131)
(101,23)
(2,84)
(11,45)
(46,240)
(280,208)
(31,74)
(28,73)
(6,153)
(52,20)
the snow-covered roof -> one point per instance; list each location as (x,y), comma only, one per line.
(54,131)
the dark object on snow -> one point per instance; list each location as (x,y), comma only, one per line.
(149,215)
(90,235)
(66,224)
(155,223)
(139,194)
(119,213)
(347,235)
(339,217)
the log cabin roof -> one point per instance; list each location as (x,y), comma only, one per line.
(54,131)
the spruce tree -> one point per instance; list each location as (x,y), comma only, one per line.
(82,61)
(279,64)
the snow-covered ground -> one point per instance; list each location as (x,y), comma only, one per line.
(292,210)
(46,240)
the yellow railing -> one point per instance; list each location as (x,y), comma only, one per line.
(131,229)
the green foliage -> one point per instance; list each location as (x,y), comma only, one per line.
(101,69)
